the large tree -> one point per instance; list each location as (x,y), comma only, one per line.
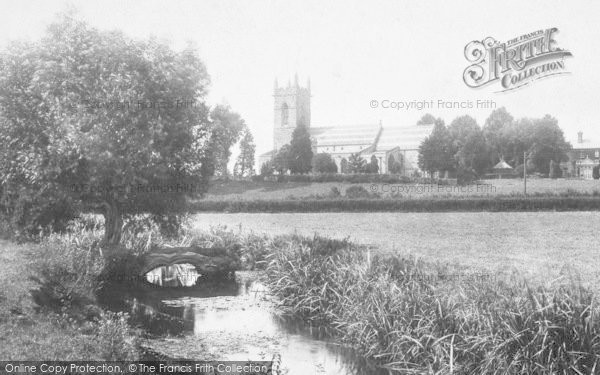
(517,139)
(494,131)
(468,146)
(542,139)
(227,128)
(281,160)
(244,166)
(300,153)
(547,144)
(115,124)
(435,152)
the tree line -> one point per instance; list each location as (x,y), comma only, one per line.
(466,150)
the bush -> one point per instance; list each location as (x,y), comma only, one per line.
(266,169)
(67,268)
(323,163)
(596,172)
(334,192)
(348,178)
(115,338)
(357,191)
(29,216)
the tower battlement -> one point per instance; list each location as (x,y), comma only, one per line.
(291,109)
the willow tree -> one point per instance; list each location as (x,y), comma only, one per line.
(105,121)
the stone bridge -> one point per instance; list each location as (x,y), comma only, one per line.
(208,262)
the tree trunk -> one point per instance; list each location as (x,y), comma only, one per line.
(113,224)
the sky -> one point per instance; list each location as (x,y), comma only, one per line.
(355,52)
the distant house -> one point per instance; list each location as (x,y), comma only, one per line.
(583,157)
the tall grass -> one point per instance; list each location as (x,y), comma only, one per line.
(412,317)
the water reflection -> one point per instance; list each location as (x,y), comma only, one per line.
(176,275)
(232,317)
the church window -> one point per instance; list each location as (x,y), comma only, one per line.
(285,113)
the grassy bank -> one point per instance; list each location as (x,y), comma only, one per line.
(48,309)
(265,190)
(421,318)
(462,204)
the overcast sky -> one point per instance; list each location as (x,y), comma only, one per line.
(354,52)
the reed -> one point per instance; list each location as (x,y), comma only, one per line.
(416,317)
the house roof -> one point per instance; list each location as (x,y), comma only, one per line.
(502,165)
(268,154)
(586,143)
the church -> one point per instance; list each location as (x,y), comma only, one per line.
(396,148)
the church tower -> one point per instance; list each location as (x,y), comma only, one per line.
(292,108)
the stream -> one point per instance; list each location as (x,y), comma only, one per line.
(232,320)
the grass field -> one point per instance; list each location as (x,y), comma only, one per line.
(542,245)
(250,190)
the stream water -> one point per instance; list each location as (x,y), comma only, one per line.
(231,320)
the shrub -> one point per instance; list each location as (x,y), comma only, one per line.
(266,169)
(596,172)
(323,163)
(115,338)
(334,192)
(28,216)
(351,178)
(66,269)
(357,191)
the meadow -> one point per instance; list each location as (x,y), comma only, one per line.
(252,190)
(539,245)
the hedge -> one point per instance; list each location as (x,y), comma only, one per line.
(552,203)
(338,177)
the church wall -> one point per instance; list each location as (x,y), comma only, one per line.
(341,149)
(411,162)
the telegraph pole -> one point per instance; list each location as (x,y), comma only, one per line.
(525,173)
